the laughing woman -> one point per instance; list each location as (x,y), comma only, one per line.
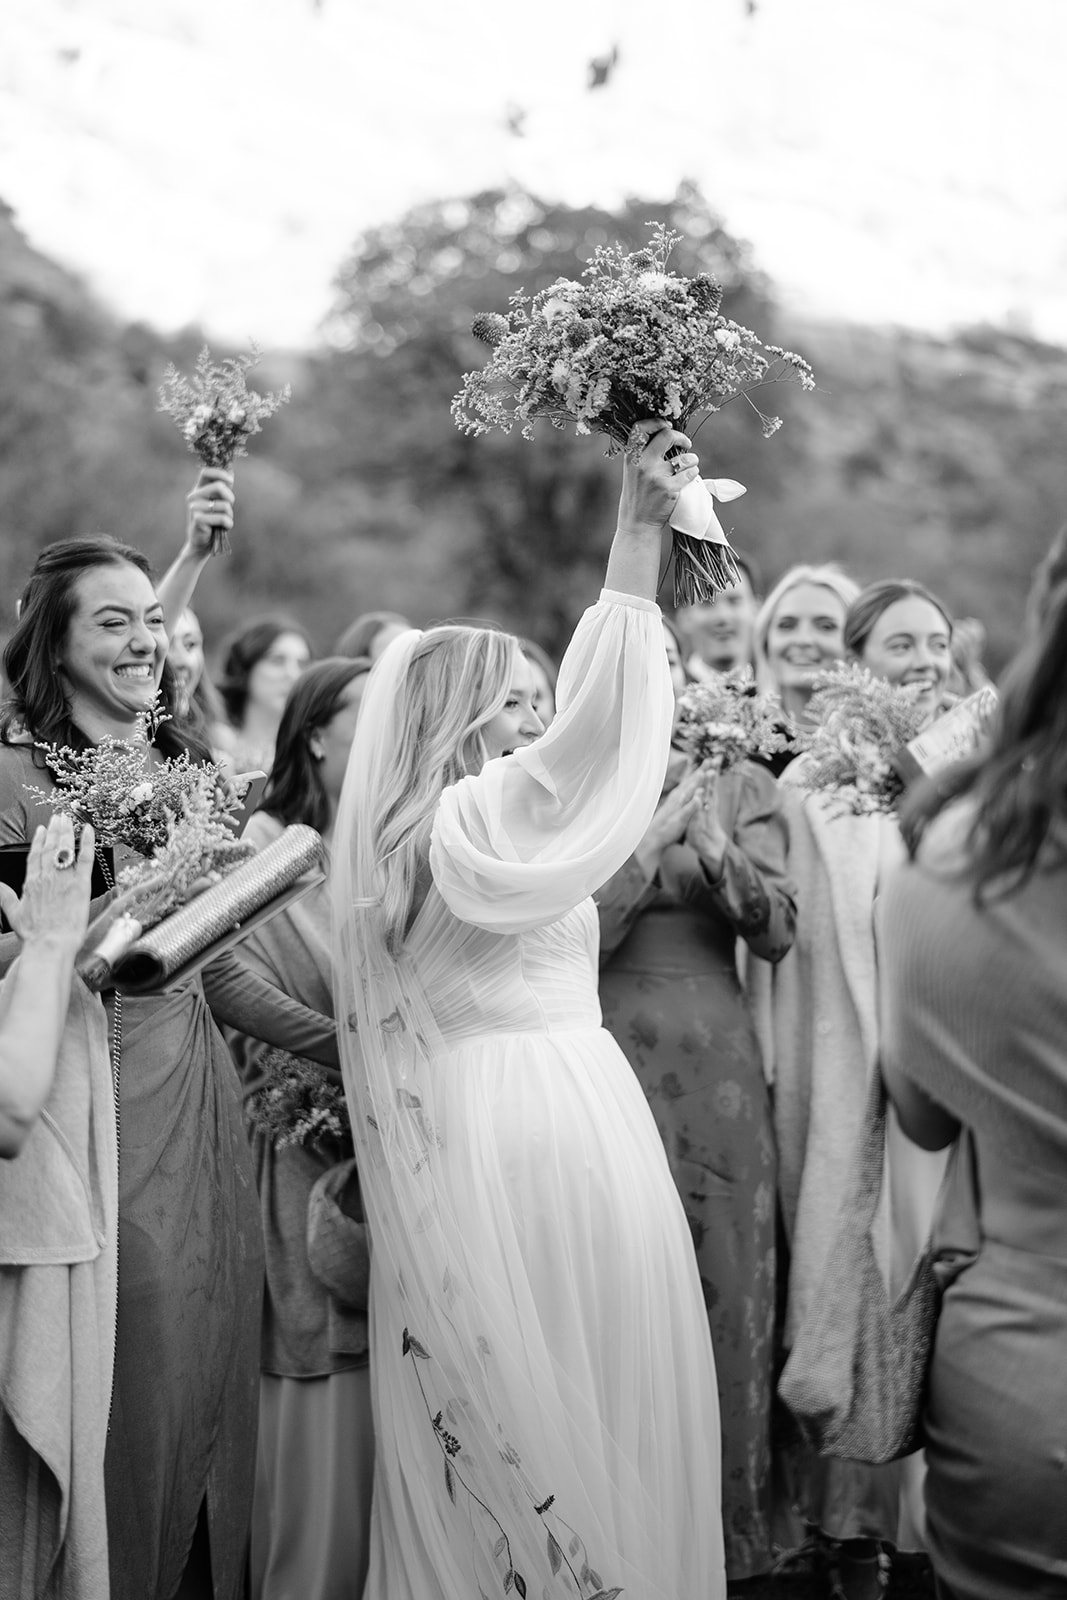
(86,659)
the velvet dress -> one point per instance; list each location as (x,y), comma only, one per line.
(181,1444)
(670,993)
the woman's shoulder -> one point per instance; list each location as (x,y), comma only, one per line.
(19,773)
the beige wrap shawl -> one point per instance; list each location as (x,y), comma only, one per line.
(58,1254)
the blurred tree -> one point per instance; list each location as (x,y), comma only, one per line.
(940,458)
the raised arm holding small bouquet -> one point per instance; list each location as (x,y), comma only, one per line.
(217,414)
(633,341)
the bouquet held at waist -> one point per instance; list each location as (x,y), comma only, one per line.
(298,1103)
(196,883)
(630,341)
(867,739)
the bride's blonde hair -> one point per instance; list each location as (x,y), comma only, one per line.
(457,680)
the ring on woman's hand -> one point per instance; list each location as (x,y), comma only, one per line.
(64,857)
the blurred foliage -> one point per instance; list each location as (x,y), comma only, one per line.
(936,458)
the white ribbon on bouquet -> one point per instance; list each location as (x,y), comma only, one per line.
(694,509)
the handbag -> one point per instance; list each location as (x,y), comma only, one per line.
(856,1375)
(338,1241)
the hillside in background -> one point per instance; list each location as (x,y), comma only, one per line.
(941,459)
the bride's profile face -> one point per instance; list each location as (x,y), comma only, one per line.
(517,723)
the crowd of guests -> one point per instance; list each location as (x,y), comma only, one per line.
(759,959)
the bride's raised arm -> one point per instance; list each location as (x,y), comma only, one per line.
(537,831)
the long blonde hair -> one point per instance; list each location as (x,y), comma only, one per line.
(455,681)
(828,575)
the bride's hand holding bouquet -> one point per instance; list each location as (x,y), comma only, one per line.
(651,485)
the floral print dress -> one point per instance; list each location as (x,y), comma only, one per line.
(671,995)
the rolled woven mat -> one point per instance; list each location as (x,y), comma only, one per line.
(253,892)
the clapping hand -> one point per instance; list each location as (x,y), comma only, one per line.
(209,510)
(54,909)
(705,833)
(670,823)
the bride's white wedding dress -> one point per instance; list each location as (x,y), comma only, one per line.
(544,1388)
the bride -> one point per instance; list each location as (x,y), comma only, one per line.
(544,1391)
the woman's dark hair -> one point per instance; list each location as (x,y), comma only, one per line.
(37,700)
(358,637)
(1018,789)
(871,602)
(295,791)
(240,654)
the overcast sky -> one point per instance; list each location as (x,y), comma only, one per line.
(211,160)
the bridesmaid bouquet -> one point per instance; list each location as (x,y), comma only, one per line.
(217,412)
(199,851)
(298,1104)
(111,786)
(632,341)
(727,721)
(859,725)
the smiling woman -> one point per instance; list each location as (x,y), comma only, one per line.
(86,658)
(902,633)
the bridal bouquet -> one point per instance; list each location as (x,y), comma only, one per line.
(217,412)
(860,724)
(631,341)
(298,1103)
(728,720)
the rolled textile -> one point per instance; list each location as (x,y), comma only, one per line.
(256,890)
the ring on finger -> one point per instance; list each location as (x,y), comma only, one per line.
(64,857)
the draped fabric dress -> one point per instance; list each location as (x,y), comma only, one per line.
(671,996)
(976,1016)
(818,1013)
(544,1387)
(181,1443)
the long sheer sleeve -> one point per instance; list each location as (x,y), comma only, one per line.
(536,832)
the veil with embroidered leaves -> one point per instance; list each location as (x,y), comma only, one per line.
(468,1387)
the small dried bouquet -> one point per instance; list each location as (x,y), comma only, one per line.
(728,720)
(179,816)
(217,412)
(111,785)
(859,725)
(298,1102)
(631,341)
